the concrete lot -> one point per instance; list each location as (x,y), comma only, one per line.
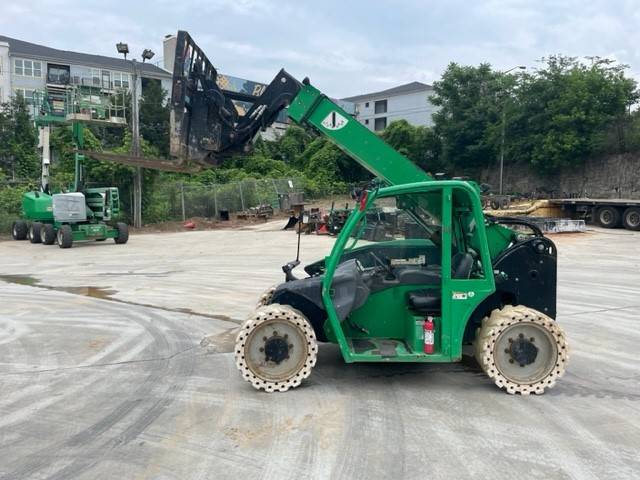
(127,379)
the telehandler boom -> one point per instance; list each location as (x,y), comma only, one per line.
(458,280)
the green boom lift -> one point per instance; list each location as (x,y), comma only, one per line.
(82,213)
(460,281)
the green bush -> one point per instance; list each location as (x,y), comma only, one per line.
(6,222)
(11,199)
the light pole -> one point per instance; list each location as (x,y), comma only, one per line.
(504,122)
(147,54)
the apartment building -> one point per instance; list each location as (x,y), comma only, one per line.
(27,67)
(408,102)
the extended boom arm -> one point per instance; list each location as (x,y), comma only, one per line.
(206,126)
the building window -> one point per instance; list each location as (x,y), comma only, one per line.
(27,68)
(95,77)
(106,79)
(0,66)
(58,74)
(366,122)
(120,80)
(380,124)
(380,106)
(366,105)
(26,93)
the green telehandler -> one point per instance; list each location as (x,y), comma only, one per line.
(456,281)
(83,213)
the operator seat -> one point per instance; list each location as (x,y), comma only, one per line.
(428,302)
(461,265)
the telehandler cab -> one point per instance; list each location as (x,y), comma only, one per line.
(455,279)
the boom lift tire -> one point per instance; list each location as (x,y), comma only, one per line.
(276,348)
(34,232)
(608,217)
(65,237)
(47,234)
(19,230)
(631,218)
(267,295)
(522,350)
(123,233)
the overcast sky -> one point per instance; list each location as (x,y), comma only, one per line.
(345,47)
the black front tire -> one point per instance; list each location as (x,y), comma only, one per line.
(34,232)
(631,218)
(608,217)
(19,230)
(65,237)
(48,234)
(123,233)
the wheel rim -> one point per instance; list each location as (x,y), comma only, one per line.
(276,350)
(606,216)
(59,237)
(14,231)
(633,219)
(525,353)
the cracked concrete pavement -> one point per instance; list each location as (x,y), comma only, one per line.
(131,379)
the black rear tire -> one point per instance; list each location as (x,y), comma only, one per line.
(65,237)
(123,233)
(631,218)
(19,230)
(48,234)
(34,232)
(608,217)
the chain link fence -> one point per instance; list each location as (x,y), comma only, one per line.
(170,200)
(179,201)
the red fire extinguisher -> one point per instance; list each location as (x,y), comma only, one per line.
(429,335)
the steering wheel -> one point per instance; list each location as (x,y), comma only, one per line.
(385,266)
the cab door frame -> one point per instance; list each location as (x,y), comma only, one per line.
(460,297)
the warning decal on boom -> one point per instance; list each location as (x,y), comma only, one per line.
(334,121)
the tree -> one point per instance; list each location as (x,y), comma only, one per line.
(18,140)
(565,110)
(290,146)
(420,144)
(154,116)
(469,100)
(322,171)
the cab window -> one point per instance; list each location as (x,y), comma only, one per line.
(466,261)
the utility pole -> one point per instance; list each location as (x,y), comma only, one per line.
(147,54)
(135,147)
(504,121)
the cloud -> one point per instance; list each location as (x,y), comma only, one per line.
(346,48)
